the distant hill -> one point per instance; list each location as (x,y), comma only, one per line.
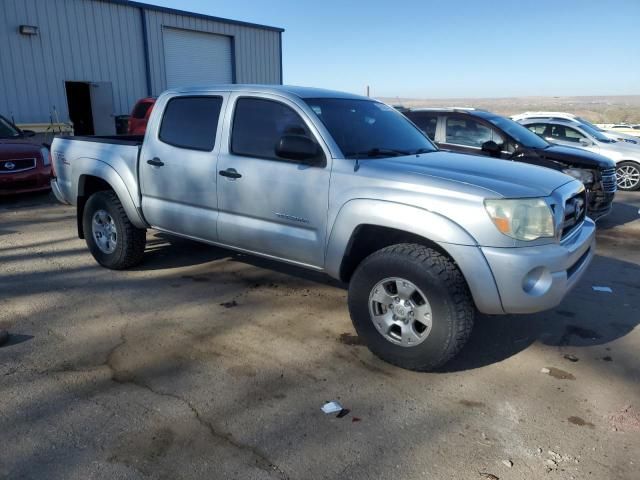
(605,109)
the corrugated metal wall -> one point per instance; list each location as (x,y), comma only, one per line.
(95,40)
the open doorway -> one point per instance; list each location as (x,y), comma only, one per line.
(79,103)
(91,107)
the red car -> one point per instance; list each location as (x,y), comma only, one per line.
(140,116)
(24,167)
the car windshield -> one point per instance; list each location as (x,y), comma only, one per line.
(7,130)
(369,129)
(595,133)
(520,134)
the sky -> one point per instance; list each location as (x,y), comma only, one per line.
(450,49)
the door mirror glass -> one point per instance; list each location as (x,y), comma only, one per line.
(492,148)
(585,142)
(298,147)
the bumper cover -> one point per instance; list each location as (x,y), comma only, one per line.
(34,180)
(533,279)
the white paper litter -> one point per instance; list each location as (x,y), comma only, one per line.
(331,407)
(601,289)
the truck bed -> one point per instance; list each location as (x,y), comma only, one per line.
(102,156)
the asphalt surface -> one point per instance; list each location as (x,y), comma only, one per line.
(206,364)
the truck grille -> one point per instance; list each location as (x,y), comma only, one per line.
(15,166)
(609,183)
(574,212)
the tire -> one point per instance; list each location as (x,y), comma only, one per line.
(125,247)
(447,298)
(628,176)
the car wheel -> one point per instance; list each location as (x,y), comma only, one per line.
(112,239)
(628,176)
(411,306)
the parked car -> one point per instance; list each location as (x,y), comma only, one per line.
(140,116)
(612,134)
(340,184)
(24,167)
(633,130)
(572,133)
(480,132)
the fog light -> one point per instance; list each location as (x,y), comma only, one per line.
(537,282)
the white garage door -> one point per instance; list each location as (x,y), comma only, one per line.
(195,58)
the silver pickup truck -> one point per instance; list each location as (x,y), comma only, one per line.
(341,184)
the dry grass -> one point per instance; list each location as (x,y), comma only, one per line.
(604,109)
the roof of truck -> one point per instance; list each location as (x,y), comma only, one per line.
(301,92)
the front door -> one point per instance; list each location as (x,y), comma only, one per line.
(178,165)
(271,205)
(465,134)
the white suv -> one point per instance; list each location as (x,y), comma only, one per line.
(612,134)
(573,133)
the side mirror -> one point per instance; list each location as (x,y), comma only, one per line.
(585,142)
(492,148)
(298,147)
(28,133)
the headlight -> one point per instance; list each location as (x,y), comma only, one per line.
(46,159)
(521,218)
(585,176)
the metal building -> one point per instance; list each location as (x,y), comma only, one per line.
(87,61)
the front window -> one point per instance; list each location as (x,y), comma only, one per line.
(368,129)
(467,132)
(7,130)
(520,134)
(566,134)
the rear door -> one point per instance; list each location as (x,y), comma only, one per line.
(178,165)
(268,204)
(427,122)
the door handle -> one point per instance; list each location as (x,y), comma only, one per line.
(230,173)
(156,162)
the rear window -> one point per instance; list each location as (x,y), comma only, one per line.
(426,122)
(191,122)
(141,109)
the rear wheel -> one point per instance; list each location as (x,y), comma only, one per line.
(628,176)
(112,239)
(411,306)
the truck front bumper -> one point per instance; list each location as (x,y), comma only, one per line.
(533,279)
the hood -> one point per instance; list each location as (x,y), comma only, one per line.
(624,136)
(575,157)
(12,150)
(498,178)
(624,149)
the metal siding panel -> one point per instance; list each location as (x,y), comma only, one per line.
(93,40)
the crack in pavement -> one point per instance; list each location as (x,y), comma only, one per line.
(124,377)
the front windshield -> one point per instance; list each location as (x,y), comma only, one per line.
(520,134)
(595,133)
(369,129)
(7,130)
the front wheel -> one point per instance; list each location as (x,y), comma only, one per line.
(112,239)
(411,306)
(628,176)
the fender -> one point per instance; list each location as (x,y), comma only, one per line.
(97,168)
(454,239)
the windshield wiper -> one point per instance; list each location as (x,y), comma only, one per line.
(378,152)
